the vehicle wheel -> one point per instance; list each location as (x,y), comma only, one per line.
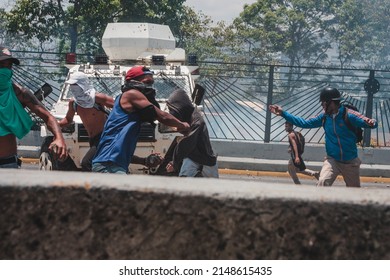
(45,162)
(45,159)
(48,163)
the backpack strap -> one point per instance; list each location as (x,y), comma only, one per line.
(100,108)
(348,122)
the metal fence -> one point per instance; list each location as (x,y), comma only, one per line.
(238,95)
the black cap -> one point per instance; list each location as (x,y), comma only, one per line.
(6,54)
(329,94)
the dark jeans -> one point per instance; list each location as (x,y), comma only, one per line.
(86,163)
(10,162)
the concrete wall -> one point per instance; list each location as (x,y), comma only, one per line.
(278,151)
(66,215)
(274,157)
(243,155)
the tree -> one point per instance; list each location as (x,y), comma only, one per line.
(168,12)
(79,22)
(294,28)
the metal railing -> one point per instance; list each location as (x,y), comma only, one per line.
(238,95)
(237,98)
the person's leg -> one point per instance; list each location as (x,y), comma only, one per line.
(107,167)
(351,172)
(10,165)
(10,162)
(86,162)
(210,171)
(292,170)
(189,168)
(312,173)
(328,172)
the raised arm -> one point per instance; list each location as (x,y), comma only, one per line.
(132,100)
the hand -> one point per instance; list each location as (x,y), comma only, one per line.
(58,148)
(297,160)
(153,160)
(370,122)
(169,167)
(276,109)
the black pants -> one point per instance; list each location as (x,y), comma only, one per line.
(86,163)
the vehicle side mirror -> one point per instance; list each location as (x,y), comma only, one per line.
(43,91)
(198,94)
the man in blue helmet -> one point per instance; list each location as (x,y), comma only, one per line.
(340,141)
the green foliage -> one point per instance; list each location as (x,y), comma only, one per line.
(80,23)
(300,32)
(294,28)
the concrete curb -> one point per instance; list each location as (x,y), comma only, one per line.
(286,175)
(366,179)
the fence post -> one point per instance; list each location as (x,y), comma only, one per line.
(267,130)
(371,86)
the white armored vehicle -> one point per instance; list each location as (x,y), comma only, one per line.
(126,45)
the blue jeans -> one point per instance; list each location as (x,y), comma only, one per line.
(190,168)
(10,162)
(107,167)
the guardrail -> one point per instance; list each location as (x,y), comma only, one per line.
(238,95)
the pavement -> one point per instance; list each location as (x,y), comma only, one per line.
(263,173)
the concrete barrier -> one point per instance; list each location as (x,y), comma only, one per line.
(243,155)
(257,156)
(74,215)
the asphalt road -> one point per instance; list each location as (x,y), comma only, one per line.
(271,177)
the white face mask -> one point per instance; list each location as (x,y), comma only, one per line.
(85,99)
(76,90)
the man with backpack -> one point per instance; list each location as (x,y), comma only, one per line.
(340,141)
(296,149)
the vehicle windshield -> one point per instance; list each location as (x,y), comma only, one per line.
(111,85)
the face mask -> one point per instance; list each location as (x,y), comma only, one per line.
(76,90)
(5,78)
(149,84)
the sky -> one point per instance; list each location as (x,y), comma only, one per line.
(219,10)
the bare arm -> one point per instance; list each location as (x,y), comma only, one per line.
(133,99)
(69,115)
(104,100)
(29,100)
(293,142)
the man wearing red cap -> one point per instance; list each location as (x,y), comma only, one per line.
(15,121)
(134,106)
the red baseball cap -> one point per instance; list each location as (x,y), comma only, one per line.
(137,71)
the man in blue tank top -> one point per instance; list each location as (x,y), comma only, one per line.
(121,131)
